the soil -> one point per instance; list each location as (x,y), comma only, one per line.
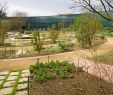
(81,84)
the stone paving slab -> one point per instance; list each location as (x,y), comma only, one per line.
(6,91)
(97,69)
(23,80)
(25,92)
(4,73)
(12,78)
(22,86)
(9,83)
(25,71)
(14,73)
(25,74)
(2,77)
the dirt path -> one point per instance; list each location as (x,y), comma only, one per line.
(24,63)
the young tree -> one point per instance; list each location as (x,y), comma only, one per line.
(53,34)
(37,42)
(86,26)
(103,8)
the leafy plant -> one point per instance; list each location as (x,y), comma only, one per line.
(63,47)
(62,74)
(37,42)
(53,69)
(53,34)
(86,26)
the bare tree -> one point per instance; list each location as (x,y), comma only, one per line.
(104,8)
(4,25)
(18,20)
(3,7)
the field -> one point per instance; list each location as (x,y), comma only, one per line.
(66,42)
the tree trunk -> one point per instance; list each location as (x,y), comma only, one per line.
(2,40)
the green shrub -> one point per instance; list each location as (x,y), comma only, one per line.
(63,47)
(62,73)
(53,34)
(53,69)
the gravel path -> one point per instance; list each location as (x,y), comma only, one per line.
(99,70)
(24,63)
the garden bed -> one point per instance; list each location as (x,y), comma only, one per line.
(73,82)
(79,85)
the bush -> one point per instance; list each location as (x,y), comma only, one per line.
(63,47)
(37,41)
(53,34)
(86,27)
(53,69)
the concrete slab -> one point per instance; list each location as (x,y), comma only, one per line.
(9,84)
(12,78)
(25,74)
(4,73)
(14,73)
(2,77)
(6,91)
(24,92)
(22,86)
(25,71)
(23,80)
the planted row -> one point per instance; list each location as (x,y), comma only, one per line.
(54,69)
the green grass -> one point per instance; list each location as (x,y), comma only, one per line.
(105,58)
(16,84)
(4,80)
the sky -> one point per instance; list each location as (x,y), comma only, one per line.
(40,7)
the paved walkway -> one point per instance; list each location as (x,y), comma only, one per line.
(14,83)
(99,70)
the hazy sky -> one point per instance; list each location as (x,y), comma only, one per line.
(40,7)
